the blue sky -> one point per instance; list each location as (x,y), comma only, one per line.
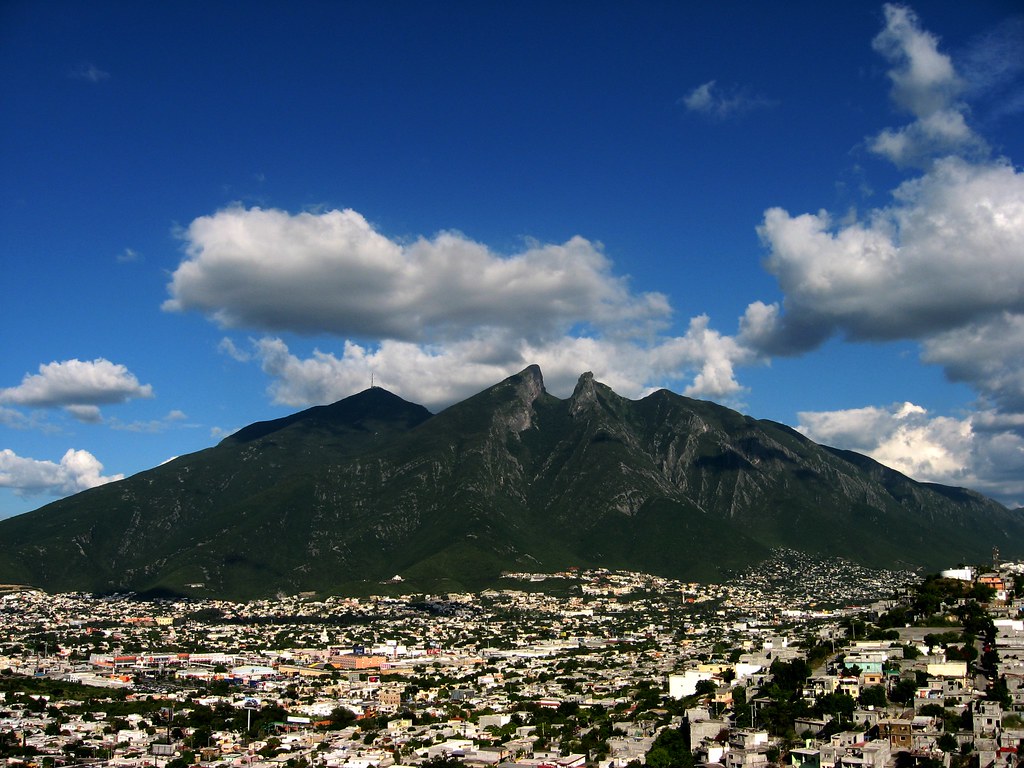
(214,214)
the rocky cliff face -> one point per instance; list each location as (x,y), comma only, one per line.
(338,497)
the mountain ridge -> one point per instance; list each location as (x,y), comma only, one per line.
(342,496)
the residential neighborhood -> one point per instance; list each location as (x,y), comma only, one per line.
(798,662)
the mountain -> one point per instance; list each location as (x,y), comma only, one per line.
(340,497)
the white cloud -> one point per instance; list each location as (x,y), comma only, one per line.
(87,414)
(77,471)
(447,316)
(701,363)
(712,354)
(435,377)
(981,451)
(709,100)
(945,254)
(940,133)
(76,383)
(228,347)
(926,85)
(440,375)
(923,79)
(333,273)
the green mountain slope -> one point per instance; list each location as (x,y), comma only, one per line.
(340,497)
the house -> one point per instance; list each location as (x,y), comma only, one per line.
(988,718)
(898,731)
(805,757)
(812,725)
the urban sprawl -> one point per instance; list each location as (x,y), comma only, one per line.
(798,662)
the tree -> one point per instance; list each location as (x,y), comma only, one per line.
(947,743)
(671,749)
(705,688)
(839,705)
(789,676)
(873,696)
(911,651)
(999,691)
(903,691)
(271,747)
(443,761)
(341,717)
(983,593)
(740,707)
(186,760)
(200,737)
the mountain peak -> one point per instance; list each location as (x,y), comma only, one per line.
(371,405)
(531,381)
(528,385)
(584,396)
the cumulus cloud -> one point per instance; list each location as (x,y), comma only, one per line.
(76,383)
(446,316)
(945,131)
(331,272)
(980,451)
(944,254)
(77,471)
(440,375)
(708,99)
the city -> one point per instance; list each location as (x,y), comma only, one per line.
(798,661)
